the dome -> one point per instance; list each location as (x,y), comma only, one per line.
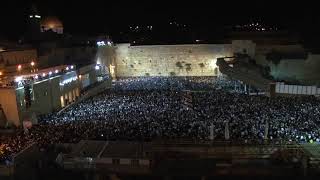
(52,23)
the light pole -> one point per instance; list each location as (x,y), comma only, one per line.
(19,68)
(32,65)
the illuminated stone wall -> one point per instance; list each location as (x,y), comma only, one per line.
(169,60)
(199,60)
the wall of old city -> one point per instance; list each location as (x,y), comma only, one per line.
(199,60)
(169,60)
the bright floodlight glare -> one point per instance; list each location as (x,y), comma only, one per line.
(50,73)
(18,79)
(97,67)
(71,67)
(67,68)
(36,77)
(56,71)
(43,74)
(101,43)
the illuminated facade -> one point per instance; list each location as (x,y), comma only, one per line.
(18,61)
(27,95)
(53,24)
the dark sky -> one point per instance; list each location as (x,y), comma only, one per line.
(93,17)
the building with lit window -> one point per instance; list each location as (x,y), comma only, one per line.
(18,61)
(24,96)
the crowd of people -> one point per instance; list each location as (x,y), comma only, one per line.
(144,109)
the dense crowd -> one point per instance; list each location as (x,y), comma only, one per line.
(153,108)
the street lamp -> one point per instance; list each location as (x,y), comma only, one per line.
(19,67)
(32,65)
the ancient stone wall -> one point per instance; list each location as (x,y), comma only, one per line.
(200,60)
(170,60)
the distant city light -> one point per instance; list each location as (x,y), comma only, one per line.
(31,16)
(80,76)
(50,72)
(0,73)
(36,77)
(19,67)
(71,67)
(43,74)
(56,71)
(32,63)
(109,43)
(97,67)
(67,68)
(37,16)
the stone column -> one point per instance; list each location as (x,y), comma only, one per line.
(245,88)
(266,130)
(211,128)
(226,131)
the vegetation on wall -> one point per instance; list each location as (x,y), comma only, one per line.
(147,74)
(201,66)
(188,67)
(179,65)
(172,73)
(131,65)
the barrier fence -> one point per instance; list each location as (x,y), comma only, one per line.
(296,89)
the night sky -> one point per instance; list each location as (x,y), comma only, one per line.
(93,17)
